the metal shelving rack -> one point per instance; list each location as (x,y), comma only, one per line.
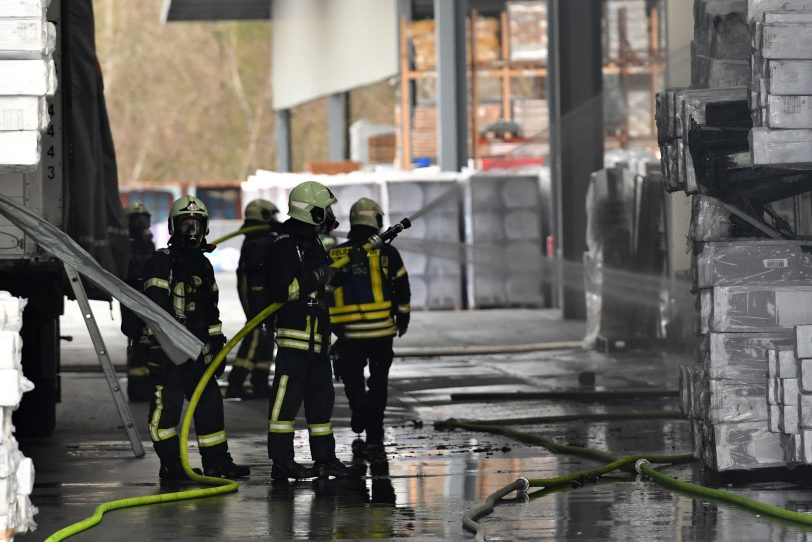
(506,69)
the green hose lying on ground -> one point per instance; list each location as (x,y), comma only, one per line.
(642,465)
(222,486)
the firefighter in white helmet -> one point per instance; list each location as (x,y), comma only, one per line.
(255,354)
(368,310)
(299,275)
(181,280)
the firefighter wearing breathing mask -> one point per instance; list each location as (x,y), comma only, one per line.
(141,249)
(370,308)
(255,355)
(299,275)
(180,279)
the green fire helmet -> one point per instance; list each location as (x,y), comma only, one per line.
(136,207)
(309,203)
(366,212)
(260,210)
(185,207)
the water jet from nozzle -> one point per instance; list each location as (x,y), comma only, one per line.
(435,202)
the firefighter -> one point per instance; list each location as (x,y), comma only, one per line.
(141,248)
(299,275)
(181,280)
(367,312)
(256,350)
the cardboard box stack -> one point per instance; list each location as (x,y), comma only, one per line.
(27,75)
(16,471)
(781,90)
(751,295)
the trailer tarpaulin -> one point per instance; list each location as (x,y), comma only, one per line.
(177,341)
(93,213)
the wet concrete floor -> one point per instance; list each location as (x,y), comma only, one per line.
(427,479)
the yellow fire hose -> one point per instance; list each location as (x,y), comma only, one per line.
(243,231)
(222,486)
(642,465)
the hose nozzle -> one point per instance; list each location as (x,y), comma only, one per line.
(377,241)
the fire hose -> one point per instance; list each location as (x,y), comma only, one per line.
(640,464)
(221,486)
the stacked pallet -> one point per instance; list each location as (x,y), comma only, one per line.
(720,50)
(26,76)
(789,394)
(781,90)
(751,295)
(16,471)
(679,114)
(423,39)
(626,31)
(528,31)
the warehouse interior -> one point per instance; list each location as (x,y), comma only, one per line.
(604,208)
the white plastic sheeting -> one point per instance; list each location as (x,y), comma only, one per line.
(178,343)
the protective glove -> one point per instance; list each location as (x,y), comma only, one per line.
(335,359)
(210,351)
(402,323)
(325,274)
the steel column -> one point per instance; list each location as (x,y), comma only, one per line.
(284,156)
(337,126)
(576,135)
(452,86)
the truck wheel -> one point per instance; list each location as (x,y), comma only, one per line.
(36,416)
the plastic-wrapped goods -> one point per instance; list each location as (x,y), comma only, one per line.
(786,40)
(728,401)
(789,391)
(23,113)
(710,221)
(803,342)
(775,417)
(788,422)
(685,391)
(704,307)
(805,411)
(11,311)
(19,151)
(779,147)
(727,73)
(760,308)
(528,30)
(751,261)
(787,366)
(756,8)
(792,443)
(805,380)
(741,446)
(12,387)
(740,356)
(788,77)
(26,38)
(27,77)
(11,346)
(789,112)
(23,8)
(773,390)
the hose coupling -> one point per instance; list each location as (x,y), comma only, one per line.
(375,241)
(525,485)
(638,465)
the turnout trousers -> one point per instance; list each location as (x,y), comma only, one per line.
(170,384)
(301,376)
(254,356)
(367,405)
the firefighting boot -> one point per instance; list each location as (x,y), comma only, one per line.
(224,467)
(291,470)
(172,471)
(336,469)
